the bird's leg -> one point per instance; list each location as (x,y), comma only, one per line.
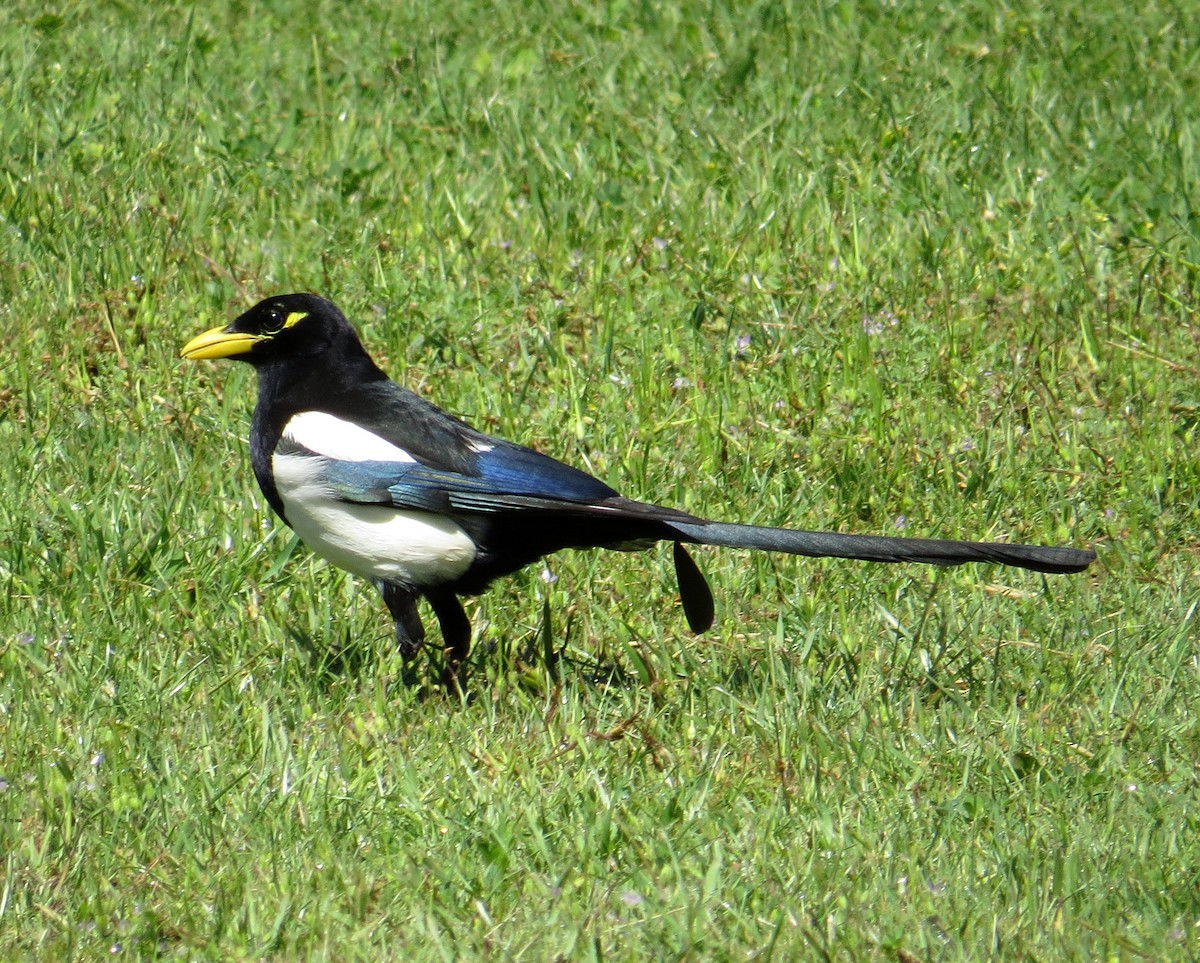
(456,630)
(402,603)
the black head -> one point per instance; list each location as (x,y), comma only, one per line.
(288,327)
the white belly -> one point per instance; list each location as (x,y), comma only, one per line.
(374,541)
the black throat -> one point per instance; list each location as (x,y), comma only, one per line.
(292,384)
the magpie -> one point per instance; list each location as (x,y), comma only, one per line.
(382,483)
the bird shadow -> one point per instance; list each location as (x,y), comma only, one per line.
(329,662)
(427,675)
(536,661)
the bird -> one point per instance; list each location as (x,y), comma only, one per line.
(384,484)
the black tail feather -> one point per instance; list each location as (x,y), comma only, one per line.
(875,548)
(694,592)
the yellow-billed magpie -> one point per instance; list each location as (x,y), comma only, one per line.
(387,486)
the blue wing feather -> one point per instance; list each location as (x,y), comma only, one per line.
(451,456)
(510,477)
(514,470)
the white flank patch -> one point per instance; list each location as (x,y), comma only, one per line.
(341,440)
(374,541)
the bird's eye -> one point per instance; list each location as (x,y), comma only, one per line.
(273,322)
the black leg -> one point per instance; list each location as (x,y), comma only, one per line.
(402,603)
(456,629)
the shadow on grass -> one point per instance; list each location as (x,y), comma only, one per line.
(933,659)
(534,663)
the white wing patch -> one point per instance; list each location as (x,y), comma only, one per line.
(374,541)
(341,440)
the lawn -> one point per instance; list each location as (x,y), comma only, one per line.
(886,267)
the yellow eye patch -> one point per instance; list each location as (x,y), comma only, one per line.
(294,318)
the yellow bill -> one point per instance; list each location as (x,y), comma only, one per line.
(219,343)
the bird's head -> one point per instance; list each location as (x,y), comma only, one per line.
(284,327)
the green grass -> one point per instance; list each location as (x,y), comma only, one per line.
(872,267)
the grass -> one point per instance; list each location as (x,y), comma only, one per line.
(872,267)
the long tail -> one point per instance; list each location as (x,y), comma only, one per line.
(697,597)
(875,548)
